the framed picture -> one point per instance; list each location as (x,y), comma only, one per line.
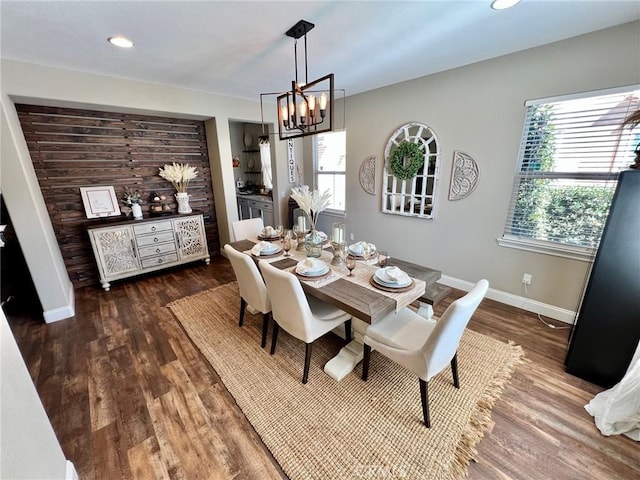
(100,201)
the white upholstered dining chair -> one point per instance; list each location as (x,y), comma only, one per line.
(249,228)
(305,318)
(253,291)
(423,346)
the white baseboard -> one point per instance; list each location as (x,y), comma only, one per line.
(61,313)
(551,311)
(71,473)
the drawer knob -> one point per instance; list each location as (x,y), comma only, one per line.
(157,250)
(153,229)
(155,239)
(159,260)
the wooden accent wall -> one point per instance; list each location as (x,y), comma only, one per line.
(73,148)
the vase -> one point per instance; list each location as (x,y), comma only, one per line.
(313,244)
(183,202)
(136,210)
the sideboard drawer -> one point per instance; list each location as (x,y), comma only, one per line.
(152,227)
(157,249)
(159,260)
(143,240)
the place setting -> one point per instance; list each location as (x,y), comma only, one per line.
(270,234)
(264,249)
(362,251)
(391,279)
(312,269)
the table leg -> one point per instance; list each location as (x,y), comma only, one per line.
(349,355)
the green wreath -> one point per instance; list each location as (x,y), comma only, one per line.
(406,159)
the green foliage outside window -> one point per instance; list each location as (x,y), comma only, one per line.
(556,210)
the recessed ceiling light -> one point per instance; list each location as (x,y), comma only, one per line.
(503,4)
(120,41)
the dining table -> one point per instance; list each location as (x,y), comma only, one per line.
(357,294)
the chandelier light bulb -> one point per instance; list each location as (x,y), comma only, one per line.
(120,41)
(503,4)
(323,101)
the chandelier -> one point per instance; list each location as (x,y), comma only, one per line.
(306,109)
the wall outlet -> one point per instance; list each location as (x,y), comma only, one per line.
(526,278)
(352,237)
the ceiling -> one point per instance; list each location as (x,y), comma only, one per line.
(238,48)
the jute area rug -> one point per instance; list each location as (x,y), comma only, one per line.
(349,429)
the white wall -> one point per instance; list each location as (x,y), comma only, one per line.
(31,220)
(28,83)
(29,448)
(478,109)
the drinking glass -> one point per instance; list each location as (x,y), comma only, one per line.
(366,251)
(299,232)
(286,245)
(351,263)
(383,259)
(279,230)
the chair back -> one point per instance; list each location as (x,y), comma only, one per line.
(249,228)
(289,304)
(443,342)
(250,283)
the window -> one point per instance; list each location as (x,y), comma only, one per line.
(571,152)
(329,165)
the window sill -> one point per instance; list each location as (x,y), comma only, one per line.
(582,254)
(334,213)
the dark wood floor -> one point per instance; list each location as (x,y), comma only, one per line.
(129,396)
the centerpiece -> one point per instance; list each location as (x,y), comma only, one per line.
(133,198)
(180,175)
(312,202)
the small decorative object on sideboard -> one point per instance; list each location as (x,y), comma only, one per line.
(160,205)
(180,175)
(133,198)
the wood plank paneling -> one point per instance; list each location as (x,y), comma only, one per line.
(72,148)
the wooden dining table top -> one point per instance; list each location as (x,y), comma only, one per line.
(359,300)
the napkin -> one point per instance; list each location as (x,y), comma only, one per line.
(268,232)
(396,275)
(309,265)
(358,247)
(258,247)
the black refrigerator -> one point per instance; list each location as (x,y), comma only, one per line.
(607,330)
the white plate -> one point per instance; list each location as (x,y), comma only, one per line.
(356,254)
(270,249)
(383,279)
(248,140)
(391,285)
(270,252)
(319,267)
(316,273)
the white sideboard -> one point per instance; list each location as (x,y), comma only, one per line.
(125,249)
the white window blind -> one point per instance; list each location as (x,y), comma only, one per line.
(571,152)
(329,154)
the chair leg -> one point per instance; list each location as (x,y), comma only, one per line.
(454,370)
(307,362)
(365,362)
(274,336)
(243,306)
(424,396)
(347,330)
(265,328)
